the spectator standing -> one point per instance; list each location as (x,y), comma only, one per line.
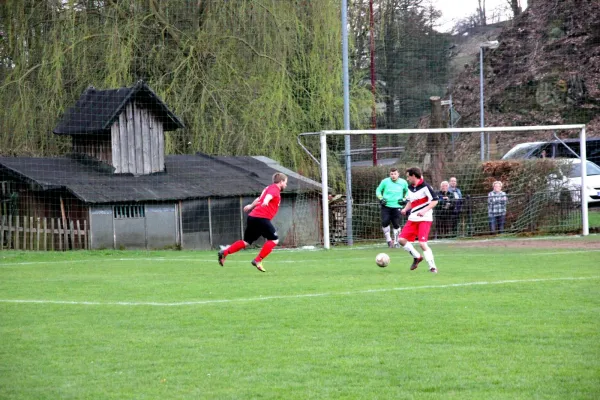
(445,211)
(391,193)
(497,208)
(458,203)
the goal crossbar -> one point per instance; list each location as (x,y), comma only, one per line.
(323,158)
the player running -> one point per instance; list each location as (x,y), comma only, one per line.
(259,223)
(421,200)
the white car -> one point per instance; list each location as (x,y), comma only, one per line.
(571,180)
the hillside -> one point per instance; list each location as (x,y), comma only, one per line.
(546,71)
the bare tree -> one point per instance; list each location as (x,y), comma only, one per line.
(515,6)
(481,12)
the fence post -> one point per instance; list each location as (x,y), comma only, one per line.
(10,227)
(45,234)
(17,232)
(30,228)
(37,234)
(469,216)
(52,234)
(2,218)
(66,235)
(60,236)
(72,235)
(86,237)
(24,233)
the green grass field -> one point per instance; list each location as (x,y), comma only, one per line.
(594,217)
(497,322)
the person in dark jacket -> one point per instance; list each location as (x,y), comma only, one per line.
(445,211)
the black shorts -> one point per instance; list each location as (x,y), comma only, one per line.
(388,215)
(257,227)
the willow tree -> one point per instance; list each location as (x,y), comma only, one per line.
(246,76)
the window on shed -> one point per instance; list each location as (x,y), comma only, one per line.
(129,211)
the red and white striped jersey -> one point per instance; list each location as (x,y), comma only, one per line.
(420,196)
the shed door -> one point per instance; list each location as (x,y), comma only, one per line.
(161,226)
(129,226)
(195,225)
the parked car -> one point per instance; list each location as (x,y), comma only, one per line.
(569,180)
(555,149)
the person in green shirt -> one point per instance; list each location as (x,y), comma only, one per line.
(391,193)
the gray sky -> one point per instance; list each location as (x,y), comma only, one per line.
(454,10)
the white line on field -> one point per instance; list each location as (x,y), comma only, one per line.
(245,261)
(293,296)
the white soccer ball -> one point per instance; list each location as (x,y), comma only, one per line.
(382,259)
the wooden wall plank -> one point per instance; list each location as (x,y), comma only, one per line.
(153,135)
(116,147)
(137,132)
(130,132)
(161,145)
(147,147)
(123,143)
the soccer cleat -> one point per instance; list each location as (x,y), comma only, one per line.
(221,258)
(433,270)
(390,244)
(415,263)
(258,265)
(397,245)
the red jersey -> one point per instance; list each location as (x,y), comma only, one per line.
(271,209)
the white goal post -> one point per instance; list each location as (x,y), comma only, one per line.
(323,161)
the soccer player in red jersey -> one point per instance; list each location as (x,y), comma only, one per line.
(421,200)
(262,210)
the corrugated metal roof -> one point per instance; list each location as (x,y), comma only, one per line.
(96,110)
(186,177)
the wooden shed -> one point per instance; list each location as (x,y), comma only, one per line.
(123,128)
(119,190)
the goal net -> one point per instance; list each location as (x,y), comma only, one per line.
(543,171)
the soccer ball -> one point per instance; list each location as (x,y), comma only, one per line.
(382,259)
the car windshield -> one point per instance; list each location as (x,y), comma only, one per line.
(575,170)
(521,150)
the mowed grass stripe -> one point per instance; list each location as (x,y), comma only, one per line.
(293,296)
(277,254)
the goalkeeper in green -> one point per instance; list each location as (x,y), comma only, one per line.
(391,193)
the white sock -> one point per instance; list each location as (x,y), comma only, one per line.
(395,235)
(428,254)
(386,232)
(409,247)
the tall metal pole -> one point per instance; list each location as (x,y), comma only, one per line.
(347,122)
(373,90)
(481,117)
(324,191)
(584,192)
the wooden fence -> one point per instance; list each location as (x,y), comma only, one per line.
(34,233)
